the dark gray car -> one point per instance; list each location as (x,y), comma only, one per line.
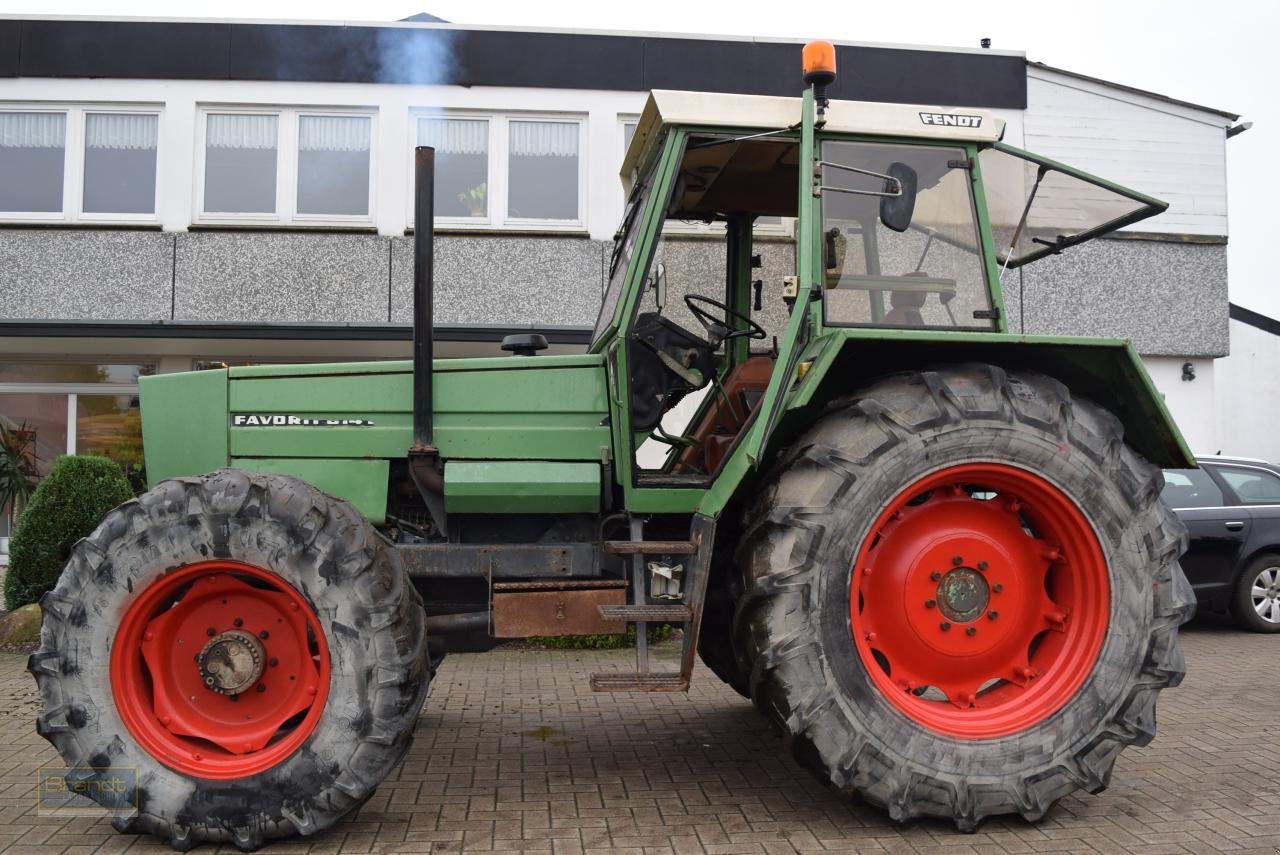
(1231,507)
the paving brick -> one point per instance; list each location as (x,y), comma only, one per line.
(515,754)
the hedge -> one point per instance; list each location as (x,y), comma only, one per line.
(68,505)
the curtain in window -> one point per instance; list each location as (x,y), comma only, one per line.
(454,136)
(33,130)
(121,131)
(333,133)
(544,139)
(241,131)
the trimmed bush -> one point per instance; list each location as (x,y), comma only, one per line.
(67,506)
(657,635)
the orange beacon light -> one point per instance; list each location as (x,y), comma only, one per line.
(819,63)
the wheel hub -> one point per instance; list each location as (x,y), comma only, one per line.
(231,662)
(220,669)
(963,595)
(979,600)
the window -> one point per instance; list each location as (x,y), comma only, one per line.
(926,272)
(462,166)
(543,170)
(1252,486)
(514,171)
(75,408)
(1190,488)
(109,175)
(286,166)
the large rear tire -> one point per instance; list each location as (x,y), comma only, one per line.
(961,595)
(249,645)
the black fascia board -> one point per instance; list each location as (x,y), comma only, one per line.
(446,55)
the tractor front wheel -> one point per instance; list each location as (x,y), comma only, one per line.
(231,658)
(961,594)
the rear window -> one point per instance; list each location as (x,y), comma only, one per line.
(1190,488)
(1253,486)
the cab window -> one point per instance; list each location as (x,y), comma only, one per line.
(901,245)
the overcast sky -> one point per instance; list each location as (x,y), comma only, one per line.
(1220,54)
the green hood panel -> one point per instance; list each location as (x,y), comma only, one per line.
(514,408)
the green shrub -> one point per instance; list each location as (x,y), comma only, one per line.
(67,506)
(657,634)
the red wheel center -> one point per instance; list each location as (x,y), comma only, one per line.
(980,600)
(220,669)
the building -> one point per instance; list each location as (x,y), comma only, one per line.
(180,194)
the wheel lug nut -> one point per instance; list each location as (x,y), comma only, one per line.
(957,560)
(211,632)
(973,630)
(997,587)
(935,575)
(274,661)
(944,626)
(992,615)
(263,635)
(982,565)
(238,621)
(147,636)
(262,687)
(928,604)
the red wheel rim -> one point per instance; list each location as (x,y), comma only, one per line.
(220,669)
(979,600)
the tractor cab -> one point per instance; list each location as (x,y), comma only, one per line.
(740,220)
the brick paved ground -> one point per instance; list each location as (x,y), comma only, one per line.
(515,753)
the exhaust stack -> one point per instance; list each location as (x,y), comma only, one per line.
(424,162)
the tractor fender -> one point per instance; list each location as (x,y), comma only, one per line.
(1106,371)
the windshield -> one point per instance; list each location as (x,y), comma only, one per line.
(624,244)
(920,265)
(1039,207)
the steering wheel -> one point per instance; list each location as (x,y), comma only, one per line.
(716,328)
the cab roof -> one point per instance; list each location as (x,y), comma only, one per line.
(768,112)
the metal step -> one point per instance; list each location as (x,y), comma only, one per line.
(646,614)
(620,682)
(650,547)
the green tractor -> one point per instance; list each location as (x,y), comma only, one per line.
(932,552)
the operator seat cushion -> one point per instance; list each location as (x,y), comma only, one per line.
(905,308)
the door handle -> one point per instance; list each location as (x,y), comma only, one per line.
(1234,525)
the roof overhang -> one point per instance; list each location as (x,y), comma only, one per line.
(767,112)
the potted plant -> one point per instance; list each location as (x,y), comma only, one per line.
(17,474)
(476,200)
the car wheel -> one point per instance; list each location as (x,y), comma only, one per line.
(1255,602)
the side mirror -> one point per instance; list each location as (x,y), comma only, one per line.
(896,210)
(660,286)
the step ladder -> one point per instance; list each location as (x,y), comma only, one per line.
(639,611)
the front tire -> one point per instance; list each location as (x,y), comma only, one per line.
(249,645)
(961,595)
(1255,601)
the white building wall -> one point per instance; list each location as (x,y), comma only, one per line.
(1190,402)
(1175,153)
(1249,394)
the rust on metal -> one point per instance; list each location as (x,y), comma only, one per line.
(650,547)
(570,611)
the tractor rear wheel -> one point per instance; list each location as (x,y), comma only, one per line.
(961,594)
(247,648)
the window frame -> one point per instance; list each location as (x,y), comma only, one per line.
(498,171)
(1228,489)
(288,131)
(73,163)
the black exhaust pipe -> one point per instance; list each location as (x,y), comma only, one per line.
(424,163)
(424,457)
